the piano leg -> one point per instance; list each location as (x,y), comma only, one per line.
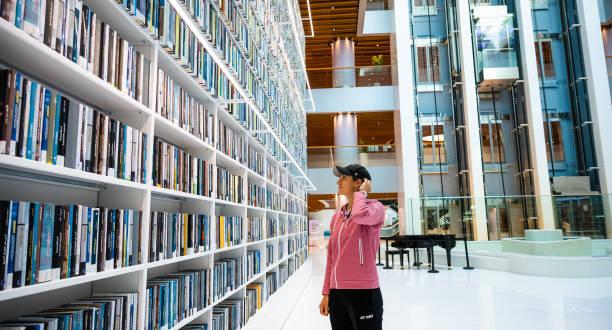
(379,263)
(433,262)
(401,253)
(416,263)
(387,255)
(448,258)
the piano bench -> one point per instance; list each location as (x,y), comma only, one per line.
(401,253)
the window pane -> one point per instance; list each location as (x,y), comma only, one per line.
(549,68)
(557,141)
(440,148)
(428,157)
(422,64)
(498,143)
(435,63)
(487,151)
(548,147)
(538,60)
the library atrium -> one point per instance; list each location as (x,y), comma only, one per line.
(305,164)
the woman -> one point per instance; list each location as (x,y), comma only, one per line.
(351,292)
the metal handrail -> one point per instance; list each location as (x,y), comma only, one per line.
(349,67)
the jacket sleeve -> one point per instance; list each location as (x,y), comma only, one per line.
(328,265)
(364,212)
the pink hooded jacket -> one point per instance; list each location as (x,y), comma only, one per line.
(352,247)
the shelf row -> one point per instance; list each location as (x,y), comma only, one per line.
(88,87)
(140,280)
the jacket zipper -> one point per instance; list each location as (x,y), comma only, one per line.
(360,252)
(336,270)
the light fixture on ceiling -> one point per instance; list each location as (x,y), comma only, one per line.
(377,45)
(332,7)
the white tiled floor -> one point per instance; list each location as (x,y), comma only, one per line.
(478,299)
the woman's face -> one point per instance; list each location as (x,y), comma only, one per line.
(347,185)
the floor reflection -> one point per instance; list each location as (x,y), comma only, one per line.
(479,299)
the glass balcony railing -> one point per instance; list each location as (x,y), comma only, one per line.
(497,58)
(510,216)
(360,76)
(367,155)
(377,5)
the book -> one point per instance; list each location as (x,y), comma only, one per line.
(174,297)
(229,231)
(178,234)
(44,242)
(229,186)
(178,170)
(75,31)
(97,312)
(255,229)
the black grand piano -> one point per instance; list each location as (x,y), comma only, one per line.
(403,243)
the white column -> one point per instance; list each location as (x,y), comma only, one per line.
(537,139)
(345,139)
(472,129)
(599,98)
(405,129)
(343,55)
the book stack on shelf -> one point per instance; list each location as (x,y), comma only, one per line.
(228,275)
(174,297)
(254,295)
(182,109)
(43,125)
(229,231)
(273,200)
(229,186)
(282,228)
(256,194)
(178,234)
(175,169)
(272,226)
(229,314)
(272,283)
(281,249)
(102,311)
(231,142)
(253,263)
(256,161)
(44,242)
(127,131)
(255,231)
(269,255)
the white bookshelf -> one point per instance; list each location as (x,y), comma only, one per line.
(22,179)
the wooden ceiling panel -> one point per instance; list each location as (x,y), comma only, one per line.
(372,128)
(337,22)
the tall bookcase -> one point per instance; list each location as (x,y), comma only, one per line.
(280,142)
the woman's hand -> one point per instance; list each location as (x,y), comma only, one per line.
(324,306)
(366,186)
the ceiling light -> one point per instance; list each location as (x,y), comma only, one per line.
(377,45)
(332,7)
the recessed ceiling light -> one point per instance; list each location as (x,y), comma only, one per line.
(377,45)
(334,29)
(332,7)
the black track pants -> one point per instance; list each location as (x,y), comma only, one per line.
(359,309)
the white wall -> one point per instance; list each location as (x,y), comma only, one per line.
(354,99)
(378,22)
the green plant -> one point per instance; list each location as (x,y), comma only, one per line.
(378,59)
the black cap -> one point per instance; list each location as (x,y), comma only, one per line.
(354,170)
